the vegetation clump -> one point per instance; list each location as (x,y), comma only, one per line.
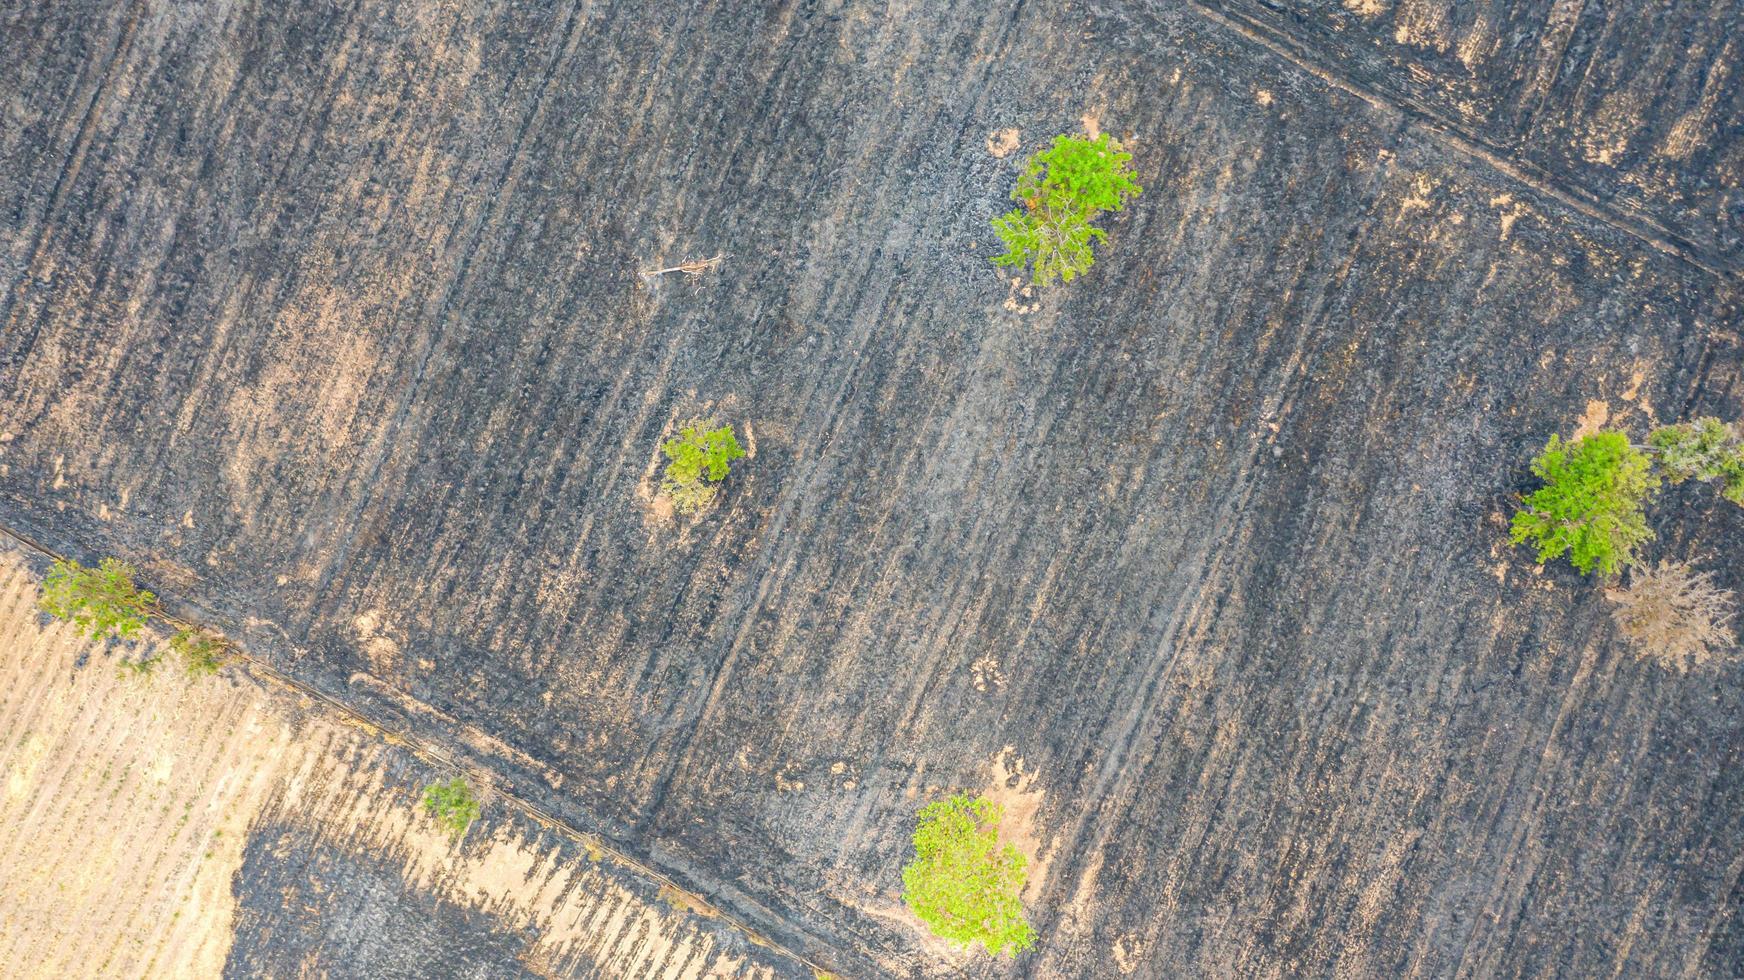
(1705,449)
(963,883)
(138,669)
(452,804)
(1062,190)
(201,652)
(698,462)
(99,602)
(1592,504)
(1674,615)
(679,900)
(1592,508)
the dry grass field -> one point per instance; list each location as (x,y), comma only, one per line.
(130,805)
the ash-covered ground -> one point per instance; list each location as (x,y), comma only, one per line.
(330,318)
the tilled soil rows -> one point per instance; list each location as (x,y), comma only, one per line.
(332,319)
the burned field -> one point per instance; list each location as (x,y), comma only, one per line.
(332,320)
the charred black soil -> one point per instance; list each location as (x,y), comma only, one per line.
(331,319)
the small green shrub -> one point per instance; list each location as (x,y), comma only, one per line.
(699,459)
(963,883)
(137,669)
(1062,190)
(100,602)
(1704,449)
(452,804)
(1591,504)
(201,652)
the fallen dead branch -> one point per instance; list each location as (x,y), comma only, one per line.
(693,268)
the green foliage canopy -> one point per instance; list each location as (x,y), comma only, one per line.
(1704,449)
(100,602)
(1591,505)
(452,804)
(1062,190)
(963,883)
(699,459)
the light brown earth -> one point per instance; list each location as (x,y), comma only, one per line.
(127,803)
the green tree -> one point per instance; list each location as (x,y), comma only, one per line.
(963,883)
(1062,190)
(1704,449)
(698,461)
(1591,506)
(100,602)
(452,804)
